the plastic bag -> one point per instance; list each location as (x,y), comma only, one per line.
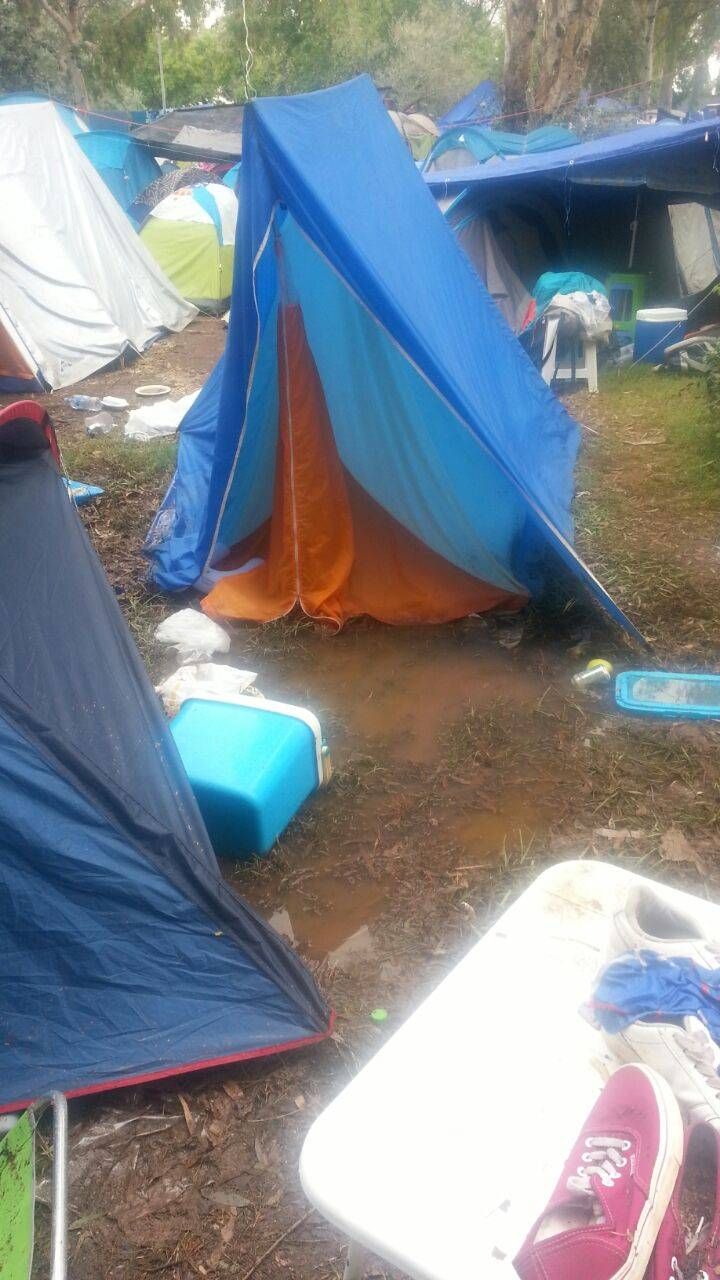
(209,680)
(160,419)
(193,635)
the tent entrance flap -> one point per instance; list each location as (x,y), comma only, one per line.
(328,545)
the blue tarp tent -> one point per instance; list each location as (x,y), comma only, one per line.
(480,104)
(634,201)
(374,440)
(125,166)
(667,156)
(124,955)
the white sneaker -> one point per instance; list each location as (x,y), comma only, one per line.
(684,1054)
(648,922)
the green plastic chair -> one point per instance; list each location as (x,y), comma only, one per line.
(627,296)
(17,1192)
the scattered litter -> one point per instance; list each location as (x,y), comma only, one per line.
(155,420)
(280,921)
(357,947)
(99,424)
(669,693)
(596,674)
(81,492)
(153,389)
(379,1015)
(90,404)
(209,680)
(675,847)
(193,634)
(114,402)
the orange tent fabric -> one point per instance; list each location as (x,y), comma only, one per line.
(12,364)
(329,547)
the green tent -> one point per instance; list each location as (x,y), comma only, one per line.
(191,235)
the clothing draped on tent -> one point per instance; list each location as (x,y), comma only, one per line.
(124,954)
(374,439)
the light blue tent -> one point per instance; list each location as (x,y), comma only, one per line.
(472,144)
(125,166)
(374,441)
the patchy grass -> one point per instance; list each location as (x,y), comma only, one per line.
(648,502)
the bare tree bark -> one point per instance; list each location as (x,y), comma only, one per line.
(568,32)
(648,31)
(521,26)
(69,17)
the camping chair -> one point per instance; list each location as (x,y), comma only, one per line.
(17,1191)
(567,356)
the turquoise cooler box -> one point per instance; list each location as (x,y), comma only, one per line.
(251,764)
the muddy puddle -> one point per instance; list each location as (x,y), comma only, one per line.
(399,688)
(399,708)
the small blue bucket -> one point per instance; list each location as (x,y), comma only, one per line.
(657,328)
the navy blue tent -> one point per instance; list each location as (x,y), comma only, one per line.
(478,106)
(374,441)
(125,166)
(124,955)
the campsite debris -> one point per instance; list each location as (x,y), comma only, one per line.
(90,404)
(82,493)
(99,424)
(673,694)
(115,402)
(379,1015)
(209,680)
(596,674)
(675,847)
(193,634)
(160,419)
(150,389)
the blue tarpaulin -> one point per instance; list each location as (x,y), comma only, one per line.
(436,413)
(667,155)
(480,104)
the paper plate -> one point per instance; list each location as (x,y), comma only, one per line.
(153,389)
(114,402)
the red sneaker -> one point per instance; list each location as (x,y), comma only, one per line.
(604,1215)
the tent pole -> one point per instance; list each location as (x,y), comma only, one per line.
(634,227)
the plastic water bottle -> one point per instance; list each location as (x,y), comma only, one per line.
(99,424)
(90,404)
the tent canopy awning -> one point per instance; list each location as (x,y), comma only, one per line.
(195,133)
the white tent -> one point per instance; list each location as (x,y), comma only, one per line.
(76,285)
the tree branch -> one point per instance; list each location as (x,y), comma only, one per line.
(57,16)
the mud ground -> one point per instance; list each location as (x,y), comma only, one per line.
(465,761)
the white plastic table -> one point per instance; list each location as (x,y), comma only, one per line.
(442,1151)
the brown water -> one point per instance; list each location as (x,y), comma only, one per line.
(401,687)
(393,696)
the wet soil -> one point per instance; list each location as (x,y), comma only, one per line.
(465,761)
